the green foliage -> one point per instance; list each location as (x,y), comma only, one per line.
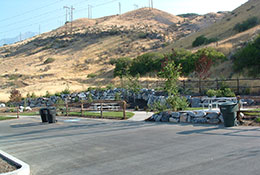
(122,66)
(92,75)
(148,62)
(142,35)
(211,53)
(65,91)
(185,58)
(47,94)
(118,96)
(186,15)
(58,94)
(49,60)
(225,92)
(158,107)
(257,120)
(245,25)
(211,93)
(177,102)
(201,40)
(152,62)
(171,74)
(133,84)
(110,86)
(33,95)
(248,58)
(89,98)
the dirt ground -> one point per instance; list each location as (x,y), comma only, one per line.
(5,166)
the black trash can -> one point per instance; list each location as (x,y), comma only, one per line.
(44,114)
(229,113)
(52,114)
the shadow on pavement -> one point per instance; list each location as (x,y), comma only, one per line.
(220,130)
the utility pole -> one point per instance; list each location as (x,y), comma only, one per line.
(71,17)
(152,4)
(20,36)
(149,4)
(39,29)
(89,11)
(66,17)
(119,8)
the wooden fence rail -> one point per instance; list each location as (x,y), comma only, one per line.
(242,86)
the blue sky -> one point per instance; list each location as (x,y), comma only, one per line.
(27,15)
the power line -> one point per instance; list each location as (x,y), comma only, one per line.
(71,17)
(15,16)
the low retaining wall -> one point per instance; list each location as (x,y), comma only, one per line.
(201,116)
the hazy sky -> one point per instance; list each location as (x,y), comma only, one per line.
(29,15)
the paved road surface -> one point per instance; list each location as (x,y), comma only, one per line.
(95,147)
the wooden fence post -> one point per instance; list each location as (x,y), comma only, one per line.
(200,86)
(101,110)
(67,106)
(81,109)
(217,85)
(238,86)
(124,109)
(18,111)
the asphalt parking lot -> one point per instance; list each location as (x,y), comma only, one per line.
(76,146)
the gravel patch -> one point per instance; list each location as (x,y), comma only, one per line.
(6,166)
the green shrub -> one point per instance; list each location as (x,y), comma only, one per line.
(200,40)
(49,60)
(122,66)
(142,35)
(47,94)
(92,75)
(65,91)
(247,59)
(211,93)
(149,62)
(226,92)
(257,120)
(245,25)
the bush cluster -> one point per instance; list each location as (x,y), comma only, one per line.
(225,92)
(202,40)
(247,24)
(248,59)
(153,62)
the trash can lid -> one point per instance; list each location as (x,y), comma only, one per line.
(228,103)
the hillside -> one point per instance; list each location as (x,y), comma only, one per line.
(223,29)
(79,59)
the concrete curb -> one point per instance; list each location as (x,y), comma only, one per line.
(24,167)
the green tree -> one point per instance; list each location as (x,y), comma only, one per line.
(171,73)
(247,59)
(134,85)
(200,40)
(247,24)
(122,66)
(149,62)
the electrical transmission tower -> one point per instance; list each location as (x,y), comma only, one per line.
(89,11)
(119,8)
(66,17)
(71,17)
